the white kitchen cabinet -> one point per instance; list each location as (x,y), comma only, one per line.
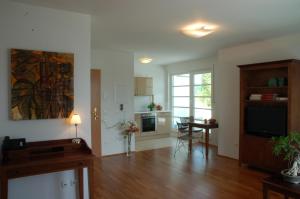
(163,125)
(163,122)
(143,86)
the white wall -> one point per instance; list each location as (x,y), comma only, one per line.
(28,27)
(227,82)
(117,86)
(157,72)
(193,66)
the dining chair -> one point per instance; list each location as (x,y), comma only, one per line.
(183,137)
(185,122)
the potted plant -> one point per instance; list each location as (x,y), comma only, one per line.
(151,106)
(128,128)
(289,147)
(158,107)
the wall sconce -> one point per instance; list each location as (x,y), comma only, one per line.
(76,120)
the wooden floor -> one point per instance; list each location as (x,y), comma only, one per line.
(156,174)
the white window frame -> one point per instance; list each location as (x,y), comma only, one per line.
(192,105)
(171,94)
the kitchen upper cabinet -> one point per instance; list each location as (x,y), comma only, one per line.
(143,86)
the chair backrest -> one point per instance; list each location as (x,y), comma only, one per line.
(185,120)
(181,126)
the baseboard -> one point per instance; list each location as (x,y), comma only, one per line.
(116,154)
(227,157)
(150,137)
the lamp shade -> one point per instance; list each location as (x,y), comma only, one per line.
(75,119)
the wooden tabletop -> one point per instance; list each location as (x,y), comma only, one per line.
(55,159)
(277,181)
(47,157)
(204,125)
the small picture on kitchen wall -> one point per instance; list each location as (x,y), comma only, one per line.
(42,84)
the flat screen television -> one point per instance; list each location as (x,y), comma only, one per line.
(266,121)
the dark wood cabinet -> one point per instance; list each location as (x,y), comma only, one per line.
(254,154)
(47,157)
(255,79)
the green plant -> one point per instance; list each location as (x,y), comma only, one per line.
(151,106)
(289,147)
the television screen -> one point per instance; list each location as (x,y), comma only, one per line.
(266,121)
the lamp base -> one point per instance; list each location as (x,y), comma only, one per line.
(76,140)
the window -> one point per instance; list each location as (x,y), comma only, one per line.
(191,95)
(180,96)
(202,96)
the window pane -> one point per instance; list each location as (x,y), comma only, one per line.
(181,112)
(175,120)
(203,102)
(202,114)
(198,121)
(204,78)
(182,96)
(181,91)
(202,91)
(181,80)
(181,101)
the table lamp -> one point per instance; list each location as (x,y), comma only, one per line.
(76,120)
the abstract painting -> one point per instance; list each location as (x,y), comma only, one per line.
(42,85)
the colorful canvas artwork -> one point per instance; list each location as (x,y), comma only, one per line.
(42,85)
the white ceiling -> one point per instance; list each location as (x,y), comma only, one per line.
(151,27)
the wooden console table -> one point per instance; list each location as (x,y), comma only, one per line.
(207,127)
(276,184)
(47,157)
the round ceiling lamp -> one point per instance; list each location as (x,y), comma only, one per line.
(198,30)
(146,60)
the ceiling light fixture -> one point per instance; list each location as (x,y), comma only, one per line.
(198,30)
(146,60)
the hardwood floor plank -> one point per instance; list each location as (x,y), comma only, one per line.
(156,174)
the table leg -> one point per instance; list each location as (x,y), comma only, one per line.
(91,179)
(4,187)
(206,142)
(80,182)
(190,138)
(265,192)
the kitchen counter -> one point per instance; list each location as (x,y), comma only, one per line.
(163,120)
(142,112)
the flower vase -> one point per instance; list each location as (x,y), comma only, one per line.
(129,144)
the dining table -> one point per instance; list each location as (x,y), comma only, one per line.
(207,126)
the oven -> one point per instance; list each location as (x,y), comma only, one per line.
(148,122)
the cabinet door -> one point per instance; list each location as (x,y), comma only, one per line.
(164,122)
(148,91)
(136,86)
(137,118)
(258,151)
(148,86)
(143,86)
(253,150)
(139,84)
(148,81)
(272,162)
